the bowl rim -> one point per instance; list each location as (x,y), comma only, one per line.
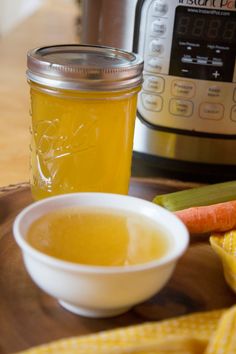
(169,257)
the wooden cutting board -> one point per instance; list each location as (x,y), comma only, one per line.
(29,317)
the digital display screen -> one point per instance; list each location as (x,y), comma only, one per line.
(189,26)
(203,44)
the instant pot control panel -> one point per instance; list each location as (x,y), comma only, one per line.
(189,49)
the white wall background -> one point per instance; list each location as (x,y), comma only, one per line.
(13,12)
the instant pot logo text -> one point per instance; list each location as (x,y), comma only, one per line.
(222,4)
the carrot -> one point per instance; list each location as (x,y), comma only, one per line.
(217,217)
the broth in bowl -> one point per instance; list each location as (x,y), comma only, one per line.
(98,236)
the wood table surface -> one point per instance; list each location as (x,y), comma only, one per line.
(29,317)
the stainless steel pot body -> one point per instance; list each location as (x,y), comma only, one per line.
(197,128)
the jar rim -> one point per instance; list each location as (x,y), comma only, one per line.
(84,67)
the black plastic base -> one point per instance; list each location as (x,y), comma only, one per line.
(144,165)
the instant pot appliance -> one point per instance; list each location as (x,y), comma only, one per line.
(187,107)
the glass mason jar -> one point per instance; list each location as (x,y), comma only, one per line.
(83,106)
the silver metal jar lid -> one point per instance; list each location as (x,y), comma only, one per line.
(84,67)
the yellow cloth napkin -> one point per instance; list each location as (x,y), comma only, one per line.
(224,244)
(223,341)
(200,333)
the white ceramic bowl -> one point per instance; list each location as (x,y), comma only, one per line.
(100,291)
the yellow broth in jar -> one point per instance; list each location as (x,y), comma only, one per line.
(81,141)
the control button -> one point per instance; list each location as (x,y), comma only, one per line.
(185,89)
(217,62)
(233,113)
(185,72)
(154,84)
(154,65)
(160,7)
(158,27)
(211,111)
(202,61)
(181,108)
(215,74)
(156,47)
(152,102)
(187,59)
(214,92)
(234,95)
